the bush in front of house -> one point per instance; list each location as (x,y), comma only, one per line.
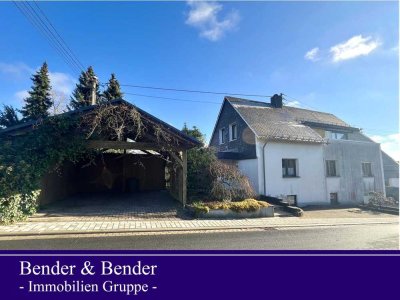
(377,199)
(208,177)
(229,183)
(247,205)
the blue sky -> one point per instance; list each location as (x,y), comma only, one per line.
(337,57)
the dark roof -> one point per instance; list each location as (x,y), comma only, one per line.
(286,123)
(29,125)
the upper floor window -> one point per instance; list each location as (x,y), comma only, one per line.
(232,132)
(331,168)
(367,169)
(289,168)
(222,136)
(334,135)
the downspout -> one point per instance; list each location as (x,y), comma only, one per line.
(264,179)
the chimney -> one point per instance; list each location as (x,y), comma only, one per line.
(93,100)
(276,101)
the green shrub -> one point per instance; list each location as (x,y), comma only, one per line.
(17,207)
(248,205)
(199,208)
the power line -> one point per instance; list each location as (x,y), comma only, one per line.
(190,91)
(34,18)
(173,99)
(31,18)
(60,37)
(53,37)
(300,102)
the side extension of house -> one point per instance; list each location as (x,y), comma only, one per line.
(307,157)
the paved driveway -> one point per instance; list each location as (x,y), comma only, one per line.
(112,207)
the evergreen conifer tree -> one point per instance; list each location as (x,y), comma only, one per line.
(81,96)
(39,100)
(8,117)
(113,90)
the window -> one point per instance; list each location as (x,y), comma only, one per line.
(366,169)
(289,168)
(336,135)
(334,198)
(232,132)
(222,136)
(331,168)
(291,199)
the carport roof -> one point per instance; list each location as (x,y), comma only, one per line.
(186,138)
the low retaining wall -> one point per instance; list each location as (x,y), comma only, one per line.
(228,213)
(387,210)
(294,210)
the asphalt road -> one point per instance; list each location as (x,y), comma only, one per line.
(383,236)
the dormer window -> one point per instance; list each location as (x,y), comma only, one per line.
(334,135)
(232,132)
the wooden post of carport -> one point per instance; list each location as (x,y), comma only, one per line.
(180,175)
(184,177)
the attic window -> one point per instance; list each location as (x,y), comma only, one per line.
(232,132)
(222,136)
(334,135)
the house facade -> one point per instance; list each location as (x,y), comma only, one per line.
(305,157)
(391,174)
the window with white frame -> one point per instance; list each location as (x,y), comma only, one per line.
(334,135)
(232,132)
(289,167)
(222,136)
(331,168)
(367,169)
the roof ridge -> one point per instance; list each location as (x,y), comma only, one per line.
(242,99)
(268,104)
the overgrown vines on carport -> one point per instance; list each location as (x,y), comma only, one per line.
(26,158)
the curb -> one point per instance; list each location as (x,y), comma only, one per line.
(172,229)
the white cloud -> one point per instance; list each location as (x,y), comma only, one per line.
(61,82)
(312,54)
(15,69)
(62,86)
(294,103)
(205,16)
(354,47)
(389,143)
(21,95)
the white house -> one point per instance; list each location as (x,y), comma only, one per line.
(307,157)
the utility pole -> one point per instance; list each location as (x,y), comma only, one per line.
(93,96)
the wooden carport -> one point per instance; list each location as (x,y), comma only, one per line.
(122,127)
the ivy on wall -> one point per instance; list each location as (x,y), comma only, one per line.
(26,158)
